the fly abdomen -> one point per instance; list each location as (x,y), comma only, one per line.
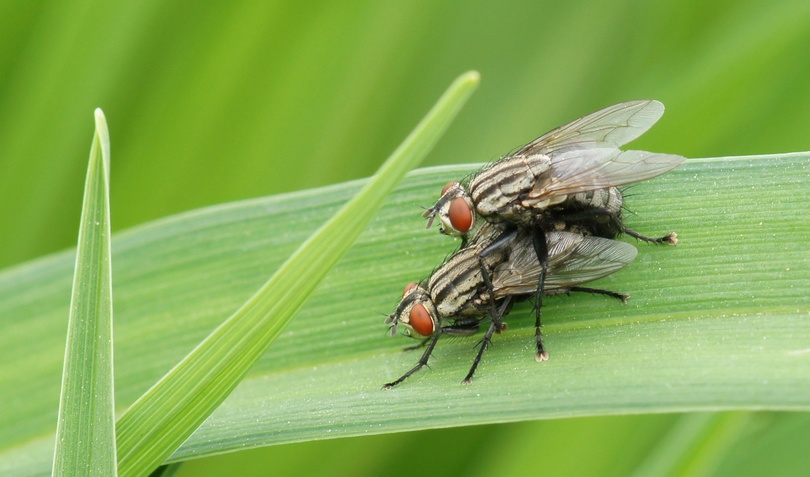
(609,199)
(597,212)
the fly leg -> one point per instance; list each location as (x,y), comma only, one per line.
(422,361)
(498,246)
(493,311)
(670,238)
(495,326)
(598,291)
(465,328)
(541,249)
(603,222)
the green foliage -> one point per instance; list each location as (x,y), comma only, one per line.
(696,334)
(213,103)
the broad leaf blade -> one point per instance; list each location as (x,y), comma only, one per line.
(85,433)
(717,322)
(697,333)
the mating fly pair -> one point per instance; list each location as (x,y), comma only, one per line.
(550,213)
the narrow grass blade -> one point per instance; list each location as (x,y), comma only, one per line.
(695,445)
(170,411)
(85,432)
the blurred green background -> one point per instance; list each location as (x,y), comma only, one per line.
(222,101)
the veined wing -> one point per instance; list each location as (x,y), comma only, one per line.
(591,169)
(612,126)
(573,259)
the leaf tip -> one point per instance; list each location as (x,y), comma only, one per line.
(472,77)
(99,114)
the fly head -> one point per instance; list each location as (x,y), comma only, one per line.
(416,312)
(455,210)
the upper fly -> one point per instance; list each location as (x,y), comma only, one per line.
(539,184)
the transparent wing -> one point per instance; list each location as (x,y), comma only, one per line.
(585,170)
(612,126)
(591,259)
(573,259)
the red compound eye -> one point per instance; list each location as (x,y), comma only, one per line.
(460,214)
(408,288)
(420,320)
(448,185)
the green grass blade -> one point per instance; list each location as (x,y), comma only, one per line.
(694,445)
(85,431)
(169,412)
(710,448)
(718,322)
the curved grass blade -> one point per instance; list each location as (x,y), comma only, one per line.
(164,417)
(85,431)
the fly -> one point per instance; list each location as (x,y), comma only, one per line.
(545,180)
(485,278)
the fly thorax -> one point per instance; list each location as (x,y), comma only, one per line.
(496,191)
(454,285)
(538,163)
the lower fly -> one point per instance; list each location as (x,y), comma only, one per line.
(486,277)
